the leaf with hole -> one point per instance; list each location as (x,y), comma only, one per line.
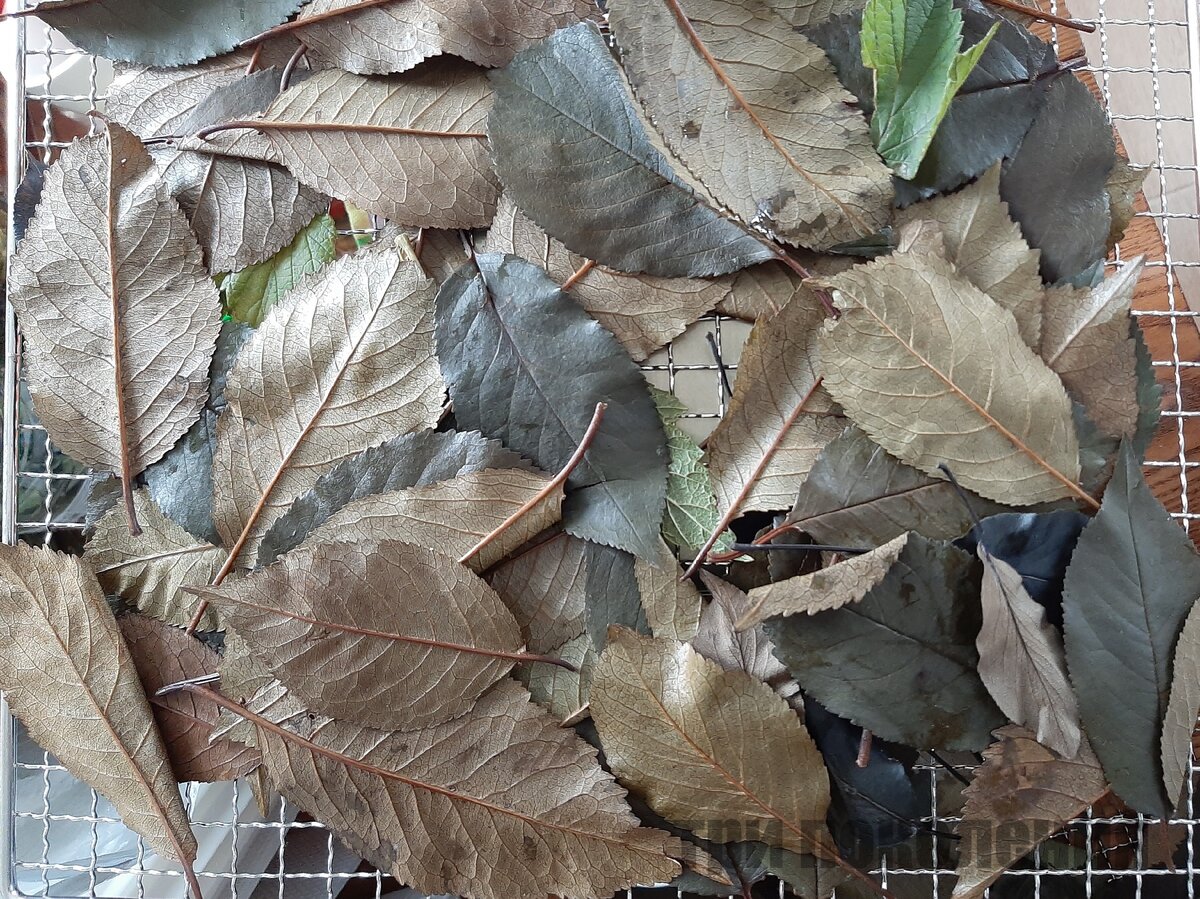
(527,366)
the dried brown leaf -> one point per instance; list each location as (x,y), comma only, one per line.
(1021,794)
(1180,720)
(987,248)
(396,36)
(152,569)
(936,373)
(452,515)
(500,803)
(545,588)
(1087,341)
(644,312)
(830,588)
(561,691)
(713,750)
(118,313)
(672,605)
(387,634)
(748,650)
(165,655)
(756,112)
(345,364)
(777,371)
(1021,659)
(68,676)
(410,147)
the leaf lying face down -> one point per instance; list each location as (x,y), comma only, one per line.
(411,460)
(345,364)
(409,147)
(710,749)
(756,113)
(152,569)
(1021,794)
(524,364)
(165,655)
(68,676)
(563,116)
(779,418)
(242,206)
(118,314)
(544,587)
(161,32)
(911,365)
(498,803)
(901,661)
(1132,581)
(1021,659)
(387,635)
(1179,721)
(913,50)
(396,36)
(454,515)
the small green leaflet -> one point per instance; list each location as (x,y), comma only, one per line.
(250,294)
(691,511)
(912,45)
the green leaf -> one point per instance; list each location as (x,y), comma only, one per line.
(691,512)
(1131,583)
(912,46)
(251,293)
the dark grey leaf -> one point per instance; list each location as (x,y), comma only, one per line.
(1096,451)
(859,495)
(240,99)
(412,460)
(1132,580)
(901,662)
(563,116)
(1056,184)
(162,32)
(988,117)
(29,191)
(181,482)
(1037,545)
(877,804)
(612,593)
(527,366)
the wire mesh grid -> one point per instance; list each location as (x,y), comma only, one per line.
(289,857)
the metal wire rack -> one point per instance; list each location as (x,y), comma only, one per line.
(59,839)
